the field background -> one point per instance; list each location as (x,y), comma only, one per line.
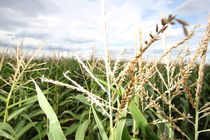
(69,98)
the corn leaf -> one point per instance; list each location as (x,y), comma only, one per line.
(71,129)
(119,127)
(4,129)
(5,135)
(26,128)
(17,112)
(100,126)
(55,131)
(141,122)
(125,134)
(80,134)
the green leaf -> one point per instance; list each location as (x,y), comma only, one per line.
(27,117)
(27,101)
(17,112)
(82,99)
(118,130)
(71,129)
(5,126)
(55,131)
(100,126)
(80,134)
(75,116)
(125,134)
(161,118)
(19,126)
(40,136)
(2,98)
(141,122)
(5,135)
(25,129)
(36,113)
(105,84)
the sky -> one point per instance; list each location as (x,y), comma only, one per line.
(76,26)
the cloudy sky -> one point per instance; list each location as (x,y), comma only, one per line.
(75,26)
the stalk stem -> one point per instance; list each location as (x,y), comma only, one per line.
(169,109)
(196,124)
(107,65)
(7,102)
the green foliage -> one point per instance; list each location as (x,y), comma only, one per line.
(69,112)
(141,122)
(55,131)
(100,125)
(80,134)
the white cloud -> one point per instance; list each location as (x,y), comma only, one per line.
(75,25)
(193,7)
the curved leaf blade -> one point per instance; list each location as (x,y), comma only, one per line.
(80,134)
(55,131)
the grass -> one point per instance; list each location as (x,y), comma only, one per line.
(74,99)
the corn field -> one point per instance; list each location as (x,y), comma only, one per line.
(70,98)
